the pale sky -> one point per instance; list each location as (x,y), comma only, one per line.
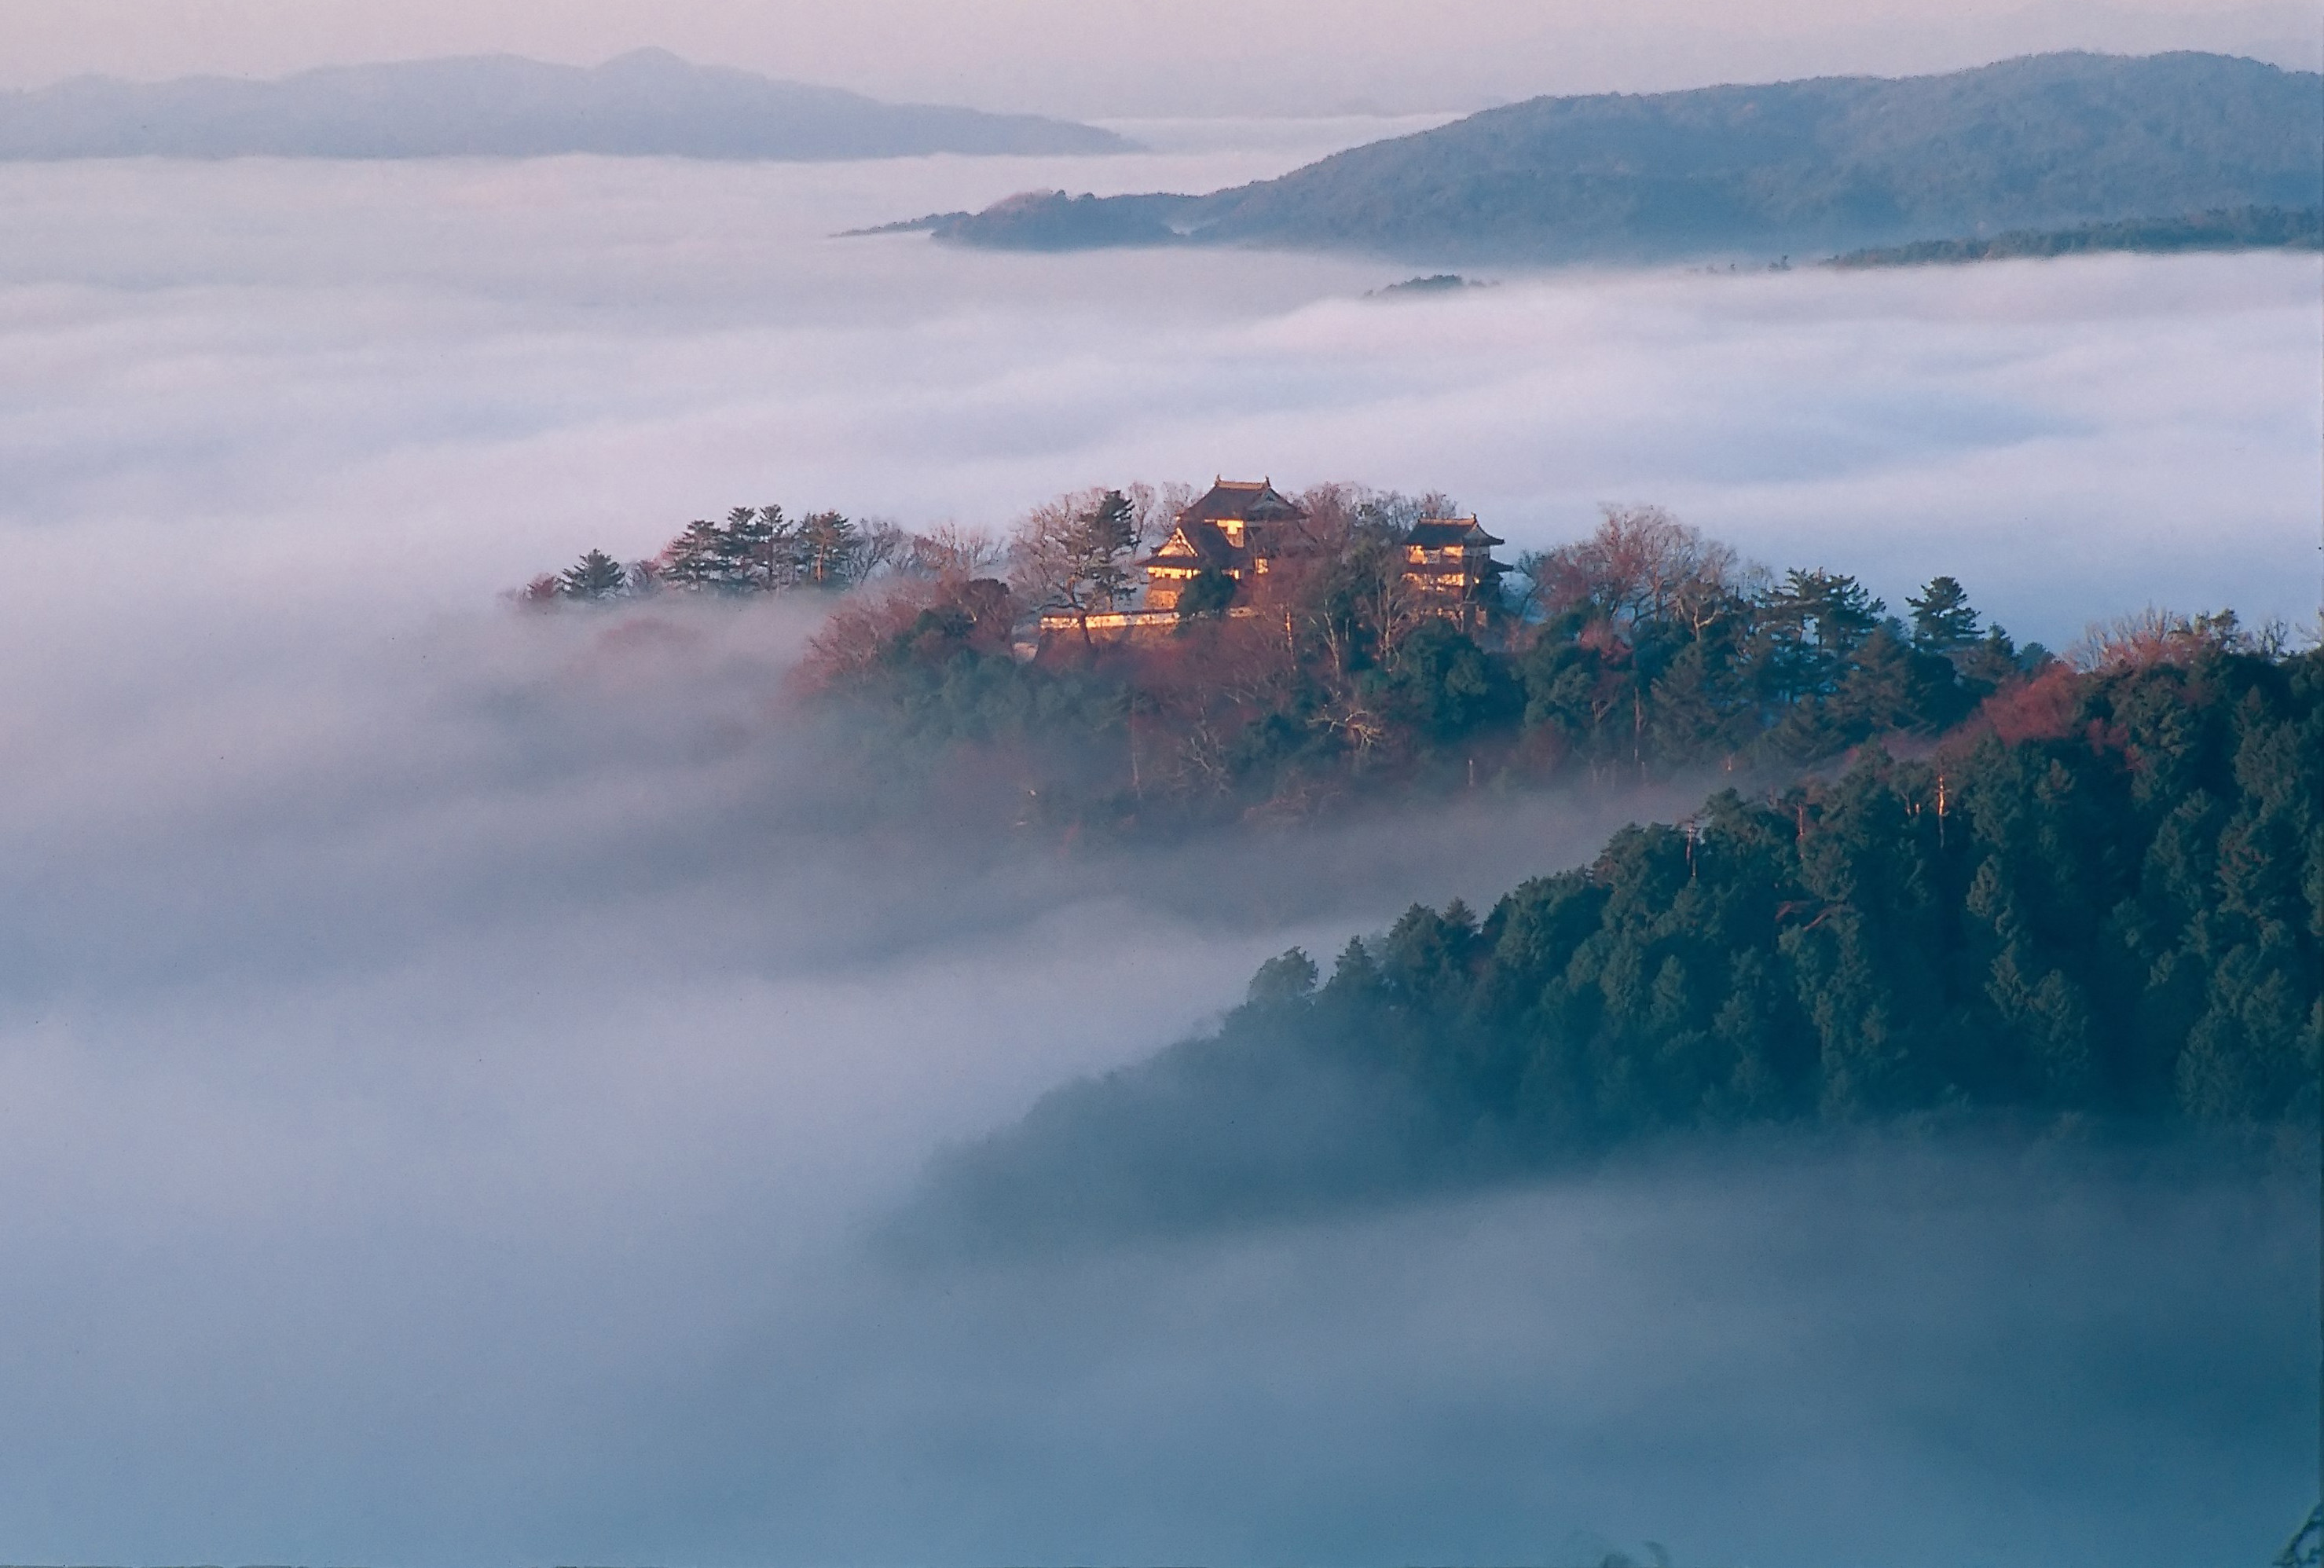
(1148,57)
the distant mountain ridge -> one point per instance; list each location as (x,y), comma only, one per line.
(648,102)
(2044,141)
(2242,228)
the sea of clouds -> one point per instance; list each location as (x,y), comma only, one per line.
(446,1053)
(416,383)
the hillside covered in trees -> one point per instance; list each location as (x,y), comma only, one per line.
(2046,142)
(1949,878)
(1640,651)
(2242,228)
(2099,906)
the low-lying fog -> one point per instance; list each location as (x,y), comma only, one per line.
(418,383)
(446,1055)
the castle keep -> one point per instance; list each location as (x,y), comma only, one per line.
(1239,529)
(1242,530)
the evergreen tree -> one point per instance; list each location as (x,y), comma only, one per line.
(1289,976)
(1106,541)
(696,559)
(1942,620)
(828,546)
(595,575)
(1446,686)
(1206,597)
(758,550)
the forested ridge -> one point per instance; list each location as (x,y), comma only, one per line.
(2240,228)
(2044,142)
(1642,649)
(1640,653)
(2099,905)
(1952,877)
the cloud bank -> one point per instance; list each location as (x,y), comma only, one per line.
(472,373)
(445,1055)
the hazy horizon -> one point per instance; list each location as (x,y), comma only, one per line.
(1188,57)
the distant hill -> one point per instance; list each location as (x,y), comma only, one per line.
(648,102)
(1420,288)
(2042,143)
(1051,220)
(2241,228)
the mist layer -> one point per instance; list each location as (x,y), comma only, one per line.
(448,1057)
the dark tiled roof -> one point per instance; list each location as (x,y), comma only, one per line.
(1446,533)
(1248,499)
(1206,545)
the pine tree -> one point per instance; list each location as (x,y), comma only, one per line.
(595,577)
(1106,539)
(828,545)
(746,555)
(1287,977)
(1846,612)
(696,559)
(1942,620)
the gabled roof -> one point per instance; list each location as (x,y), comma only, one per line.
(1244,501)
(1199,541)
(1448,532)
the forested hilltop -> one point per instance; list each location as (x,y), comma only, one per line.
(1952,877)
(1639,651)
(1809,167)
(2100,905)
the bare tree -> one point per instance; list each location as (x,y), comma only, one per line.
(2153,636)
(1041,550)
(1641,563)
(1155,508)
(1074,553)
(880,543)
(949,551)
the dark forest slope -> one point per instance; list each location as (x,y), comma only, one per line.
(2241,228)
(2102,903)
(2044,142)
(648,102)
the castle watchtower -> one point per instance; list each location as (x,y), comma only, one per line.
(1448,561)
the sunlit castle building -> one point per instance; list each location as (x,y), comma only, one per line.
(1239,529)
(1242,530)
(1448,562)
